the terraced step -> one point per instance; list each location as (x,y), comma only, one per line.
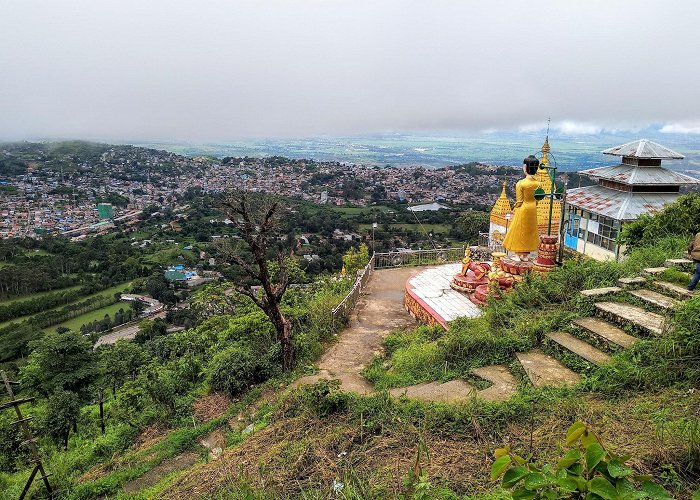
(599,292)
(682,263)
(577,346)
(545,370)
(655,298)
(606,330)
(637,316)
(449,392)
(677,290)
(503,382)
(628,282)
(651,271)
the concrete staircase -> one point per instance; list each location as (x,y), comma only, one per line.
(595,338)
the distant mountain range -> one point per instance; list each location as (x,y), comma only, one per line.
(571,152)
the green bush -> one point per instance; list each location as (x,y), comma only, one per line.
(587,470)
(237,368)
(680,219)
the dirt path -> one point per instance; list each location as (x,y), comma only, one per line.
(379,311)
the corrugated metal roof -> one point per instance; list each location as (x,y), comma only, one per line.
(644,148)
(632,174)
(619,205)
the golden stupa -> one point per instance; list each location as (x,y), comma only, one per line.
(545,181)
(498,213)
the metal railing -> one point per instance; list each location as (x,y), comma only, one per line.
(418,257)
(342,310)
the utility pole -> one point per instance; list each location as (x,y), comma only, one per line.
(30,441)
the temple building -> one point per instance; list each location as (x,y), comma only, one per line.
(594,215)
(502,209)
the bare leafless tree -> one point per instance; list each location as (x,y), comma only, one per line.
(256,219)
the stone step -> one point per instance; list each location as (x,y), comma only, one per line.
(655,270)
(628,282)
(677,290)
(545,370)
(577,346)
(641,318)
(606,330)
(655,298)
(598,292)
(682,263)
(503,382)
(449,392)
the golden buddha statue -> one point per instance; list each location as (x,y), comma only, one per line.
(523,237)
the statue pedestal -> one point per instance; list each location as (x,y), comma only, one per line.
(516,267)
(547,255)
(468,283)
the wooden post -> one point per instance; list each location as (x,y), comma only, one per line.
(30,441)
(100,401)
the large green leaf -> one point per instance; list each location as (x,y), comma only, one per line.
(594,454)
(616,469)
(535,480)
(569,459)
(588,438)
(499,466)
(513,475)
(574,432)
(567,484)
(603,488)
(654,491)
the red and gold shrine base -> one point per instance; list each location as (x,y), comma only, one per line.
(515,267)
(468,283)
(547,254)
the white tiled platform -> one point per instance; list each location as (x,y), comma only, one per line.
(432,287)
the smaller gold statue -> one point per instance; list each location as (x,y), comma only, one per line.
(466,261)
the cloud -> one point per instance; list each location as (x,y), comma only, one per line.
(226,69)
(681,128)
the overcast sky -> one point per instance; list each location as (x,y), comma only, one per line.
(216,70)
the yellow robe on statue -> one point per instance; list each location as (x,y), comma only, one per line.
(522,234)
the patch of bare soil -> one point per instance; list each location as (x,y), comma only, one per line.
(149,436)
(210,406)
(161,470)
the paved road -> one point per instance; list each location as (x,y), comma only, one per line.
(125,332)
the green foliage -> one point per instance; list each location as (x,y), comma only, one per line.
(121,361)
(236,368)
(62,412)
(355,259)
(468,226)
(59,361)
(150,329)
(587,470)
(680,219)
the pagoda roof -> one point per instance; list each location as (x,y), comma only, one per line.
(619,205)
(644,148)
(635,174)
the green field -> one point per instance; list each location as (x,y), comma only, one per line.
(106,292)
(360,210)
(7,302)
(434,228)
(98,314)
